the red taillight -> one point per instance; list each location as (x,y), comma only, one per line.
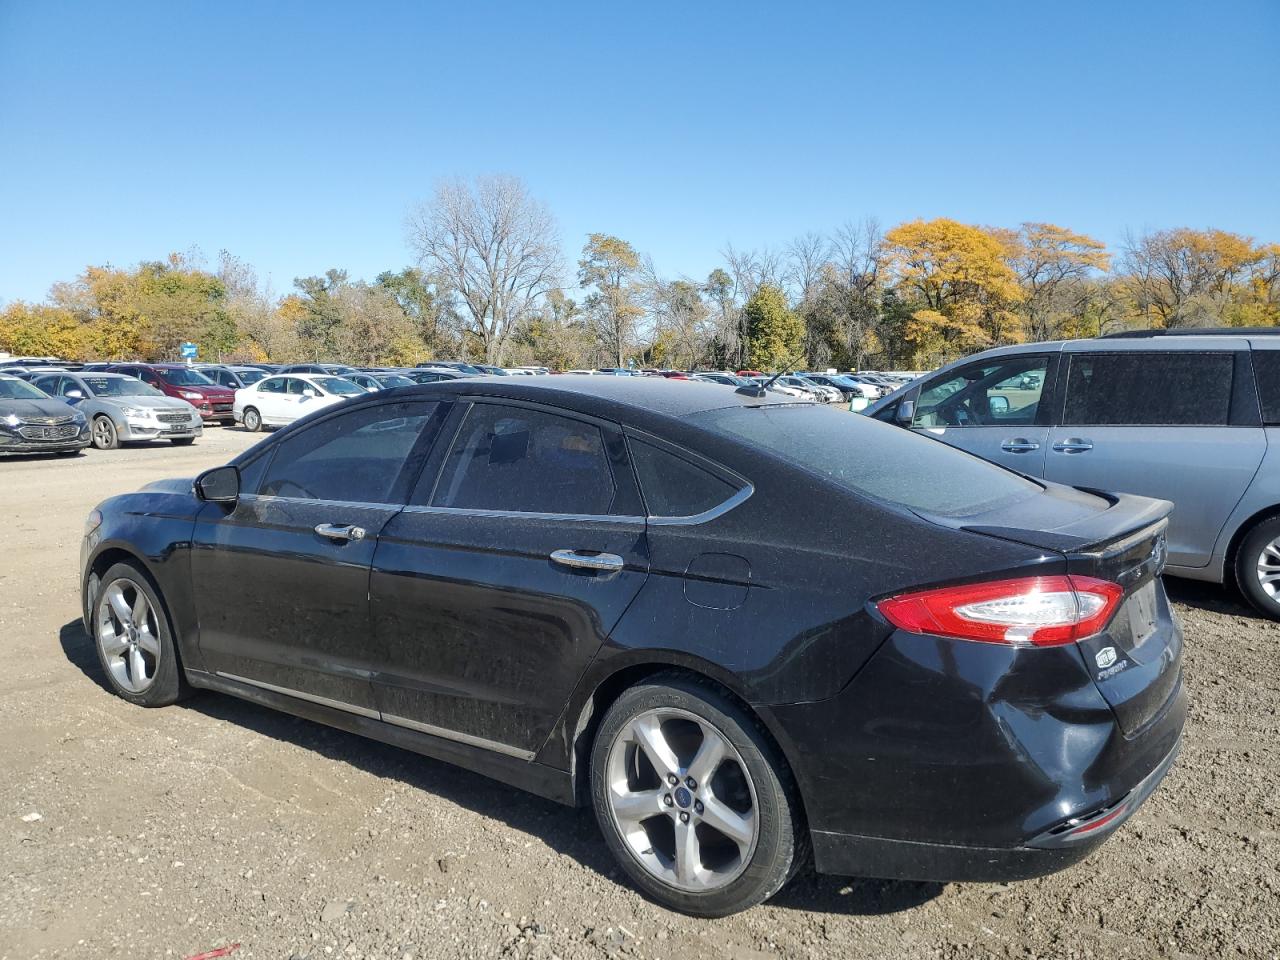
(1035,611)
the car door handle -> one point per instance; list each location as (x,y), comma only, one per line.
(1073,445)
(588,561)
(333,531)
(1019,445)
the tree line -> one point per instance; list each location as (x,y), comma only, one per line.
(490,284)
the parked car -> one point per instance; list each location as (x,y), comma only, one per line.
(822,394)
(849,386)
(1186,417)
(458,365)
(491,370)
(725,379)
(284,398)
(379,380)
(661,602)
(33,422)
(29,372)
(775,385)
(178,380)
(233,377)
(435,375)
(121,408)
(327,369)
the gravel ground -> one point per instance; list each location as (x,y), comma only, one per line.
(165,833)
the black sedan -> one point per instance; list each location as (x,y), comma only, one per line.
(741,628)
(31,421)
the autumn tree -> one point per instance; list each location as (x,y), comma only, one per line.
(609,269)
(963,287)
(1185,277)
(1052,265)
(496,250)
(775,334)
(681,314)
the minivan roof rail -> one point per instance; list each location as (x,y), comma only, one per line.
(1194,332)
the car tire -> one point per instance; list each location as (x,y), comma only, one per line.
(251,419)
(750,793)
(141,664)
(183,441)
(104,433)
(1258,567)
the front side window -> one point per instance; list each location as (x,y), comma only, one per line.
(356,457)
(298,387)
(1149,389)
(1002,392)
(527,461)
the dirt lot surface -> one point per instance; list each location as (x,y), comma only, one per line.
(132,833)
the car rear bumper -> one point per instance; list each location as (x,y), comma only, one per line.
(952,760)
(855,855)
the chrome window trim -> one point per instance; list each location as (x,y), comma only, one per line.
(300,695)
(719,510)
(522,514)
(359,504)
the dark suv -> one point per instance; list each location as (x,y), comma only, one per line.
(179,380)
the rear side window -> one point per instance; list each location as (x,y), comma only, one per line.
(355,457)
(527,461)
(1149,389)
(1266,369)
(674,487)
(880,461)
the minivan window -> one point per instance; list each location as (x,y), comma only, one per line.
(354,457)
(1002,392)
(871,458)
(528,461)
(1266,370)
(674,487)
(1149,389)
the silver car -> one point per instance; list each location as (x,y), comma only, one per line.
(121,408)
(1189,416)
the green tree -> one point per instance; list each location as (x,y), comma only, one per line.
(775,334)
(320,299)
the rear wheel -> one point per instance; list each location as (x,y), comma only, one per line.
(693,799)
(252,420)
(1258,567)
(104,433)
(133,638)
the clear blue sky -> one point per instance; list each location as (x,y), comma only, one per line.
(298,135)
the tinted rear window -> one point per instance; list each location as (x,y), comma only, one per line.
(674,487)
(872,458)
(1149,389)
(1266,368)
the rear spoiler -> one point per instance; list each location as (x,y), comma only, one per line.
(1127,518)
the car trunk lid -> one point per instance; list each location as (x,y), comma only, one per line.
(1135,662)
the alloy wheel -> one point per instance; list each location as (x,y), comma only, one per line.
(128,635)
(103,433)
(1268,569)
(682,799)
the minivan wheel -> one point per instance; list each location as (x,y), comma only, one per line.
(1258,567)
(104,433)
(252,420)
(693,799)
(134,640)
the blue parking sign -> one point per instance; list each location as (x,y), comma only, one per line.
(189,351)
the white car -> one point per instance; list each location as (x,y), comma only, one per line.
(280,400)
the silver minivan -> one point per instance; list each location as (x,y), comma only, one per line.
(1189,416)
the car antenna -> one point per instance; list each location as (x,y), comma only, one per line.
(758,389)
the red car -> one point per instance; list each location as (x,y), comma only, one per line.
(179,380)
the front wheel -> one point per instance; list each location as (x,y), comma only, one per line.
(693,799)
(1258,567)
(134,639)
(252,420)
(104,434)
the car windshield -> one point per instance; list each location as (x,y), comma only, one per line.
(393,380)
(182,377)
(16,389)
(336,385)
(120,387)
(250,376)
(872,458)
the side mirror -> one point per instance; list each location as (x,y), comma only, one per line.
(998,404)
(219,485)
(905,413)
(309,392)
(74,395)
